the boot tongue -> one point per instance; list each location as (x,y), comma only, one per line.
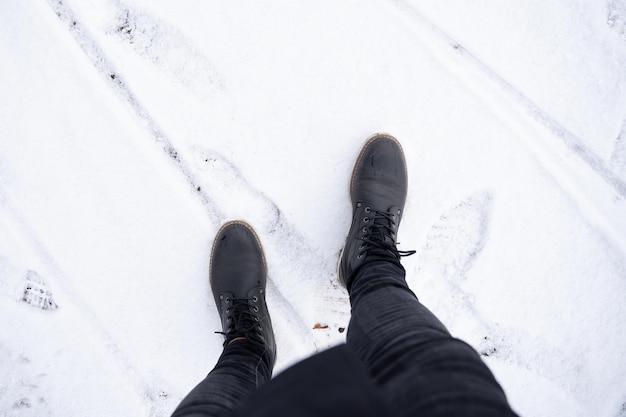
(380,233)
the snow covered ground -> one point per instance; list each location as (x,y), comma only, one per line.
(130,130)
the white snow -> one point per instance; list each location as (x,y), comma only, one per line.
(130,130)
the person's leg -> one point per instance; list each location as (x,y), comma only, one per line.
(419,366)
(239,371)
(238,277)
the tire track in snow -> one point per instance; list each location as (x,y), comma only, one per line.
(572,141)
(115,81)
(618,157)
(597,191)
(281,233)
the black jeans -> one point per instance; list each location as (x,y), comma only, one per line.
(412,360)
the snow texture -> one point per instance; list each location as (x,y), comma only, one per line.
(131,130)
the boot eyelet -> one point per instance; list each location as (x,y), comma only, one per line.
(227,300)
(255,299)
(256,309)
(366,220)
(260,328)
(368,209)
(256,318)
(365,230)
(358,204)
(359,256)
(399,211)
(227,310)
(361,247)
(221,296)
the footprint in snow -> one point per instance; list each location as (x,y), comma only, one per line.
(452,245)
(25,286)
(36,292)
(166,48)
(456,239)
(23,394)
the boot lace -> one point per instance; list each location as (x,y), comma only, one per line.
(380,235)
(244,322)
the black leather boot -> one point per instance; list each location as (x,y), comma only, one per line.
(378,190)
(238,275)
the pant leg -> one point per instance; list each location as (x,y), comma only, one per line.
(240,370)
(420,368)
